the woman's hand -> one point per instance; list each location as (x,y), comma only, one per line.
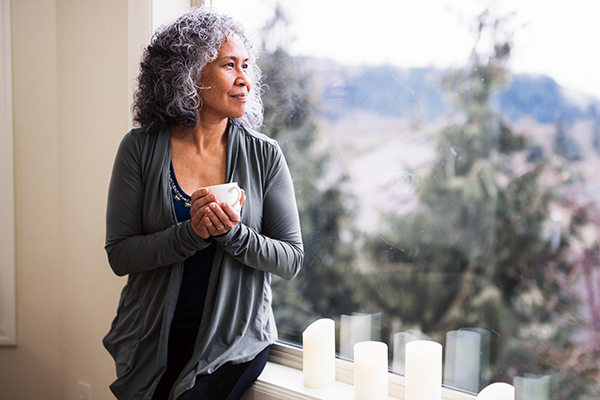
(201,198)
(210,218)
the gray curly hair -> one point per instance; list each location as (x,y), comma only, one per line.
(172,66)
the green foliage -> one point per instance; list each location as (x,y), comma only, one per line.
(476,252)
(325,286)
(565,145)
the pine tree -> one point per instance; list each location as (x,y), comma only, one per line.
(476,253)
(291,118)
(564,144)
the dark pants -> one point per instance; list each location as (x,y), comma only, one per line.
(229,382)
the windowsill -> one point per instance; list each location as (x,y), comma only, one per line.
(282,378)
(280,382)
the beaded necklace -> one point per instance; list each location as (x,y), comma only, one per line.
(177,194)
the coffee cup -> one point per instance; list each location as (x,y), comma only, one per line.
(229,193)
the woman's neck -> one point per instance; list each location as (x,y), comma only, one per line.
(203,136)
(199,155)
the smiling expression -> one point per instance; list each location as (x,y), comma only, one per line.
(226,83)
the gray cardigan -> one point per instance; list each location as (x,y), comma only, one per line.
(145,242)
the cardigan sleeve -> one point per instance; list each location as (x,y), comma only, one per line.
(140,232)
(278,247)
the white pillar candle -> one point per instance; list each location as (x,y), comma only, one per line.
(497,391)
(400,340)
(318,360)
(423,370)
(370,371)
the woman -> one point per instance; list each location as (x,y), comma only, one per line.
(195,320)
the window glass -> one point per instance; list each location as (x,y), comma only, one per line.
(167,10)
(445,158)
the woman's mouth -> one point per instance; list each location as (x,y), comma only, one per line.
(241,96)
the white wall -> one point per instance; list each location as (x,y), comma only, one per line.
(70,110)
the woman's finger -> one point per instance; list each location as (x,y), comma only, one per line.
(223,217)
(201,198)
(202,192)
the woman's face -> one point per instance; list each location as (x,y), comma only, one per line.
(225,82)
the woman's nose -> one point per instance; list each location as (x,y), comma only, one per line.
(242,78)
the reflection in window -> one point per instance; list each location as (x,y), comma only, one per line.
(457,205)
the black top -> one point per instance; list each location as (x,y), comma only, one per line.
(196,270)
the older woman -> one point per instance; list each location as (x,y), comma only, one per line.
(195,320)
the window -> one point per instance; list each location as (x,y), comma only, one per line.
(7,238)
(446,181)
(445,178)
(163,11)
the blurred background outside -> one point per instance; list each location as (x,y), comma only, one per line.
(445,157)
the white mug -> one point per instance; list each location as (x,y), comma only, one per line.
(229,193)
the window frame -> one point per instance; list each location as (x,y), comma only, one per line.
(7,206)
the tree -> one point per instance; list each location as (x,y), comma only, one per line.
(325,210)
(476,252)
(564,144)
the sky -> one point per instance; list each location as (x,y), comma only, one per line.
(557,38)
